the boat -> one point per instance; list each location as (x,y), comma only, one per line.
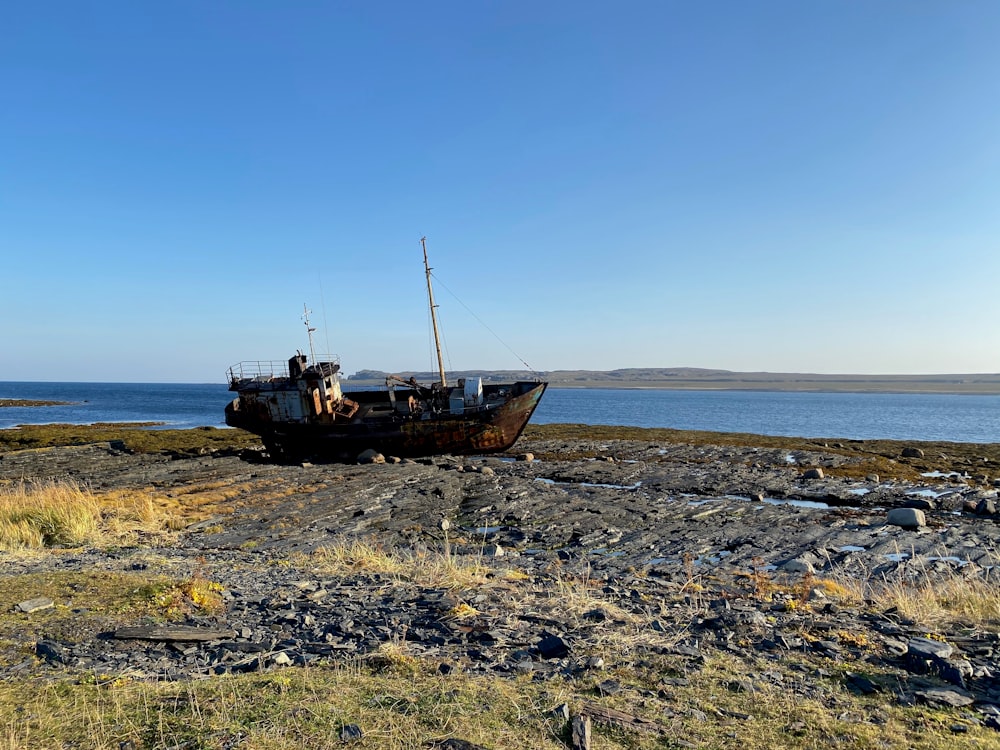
(301,412)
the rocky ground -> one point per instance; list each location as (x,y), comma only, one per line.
(597,550)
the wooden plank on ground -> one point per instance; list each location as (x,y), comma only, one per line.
(172,633)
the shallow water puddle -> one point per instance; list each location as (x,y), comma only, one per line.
(812,504)
(927,493)
(484,530)
(816,504)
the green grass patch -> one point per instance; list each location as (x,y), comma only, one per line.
(132,437)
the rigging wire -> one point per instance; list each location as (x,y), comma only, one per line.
(444,341)
(469,310)
(322,302)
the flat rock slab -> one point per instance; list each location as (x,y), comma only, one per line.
(172,633)
(34,605)
(945,697)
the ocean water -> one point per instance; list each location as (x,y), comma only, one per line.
(857,416)
(175,405)
(959,418)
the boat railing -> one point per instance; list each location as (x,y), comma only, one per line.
(264,371)
(260,371)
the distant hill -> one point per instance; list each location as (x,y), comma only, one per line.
(695,378)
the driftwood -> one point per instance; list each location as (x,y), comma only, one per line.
(172,633)
(580,732)
(604,715)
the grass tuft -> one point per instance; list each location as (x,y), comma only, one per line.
(425,567)
(47,514)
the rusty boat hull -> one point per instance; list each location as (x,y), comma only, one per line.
(413,422)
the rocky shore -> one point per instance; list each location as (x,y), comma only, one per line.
(587,552)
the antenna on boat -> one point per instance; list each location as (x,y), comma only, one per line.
(310,330)
(434,323)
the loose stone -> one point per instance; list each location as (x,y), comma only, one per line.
(909,518)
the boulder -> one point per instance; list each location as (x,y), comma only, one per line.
(908,518)
(798,566)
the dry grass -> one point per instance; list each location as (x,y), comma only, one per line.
(402,703)
(937,603)
(425,567)
(62,514)
(578,595)
(48,514)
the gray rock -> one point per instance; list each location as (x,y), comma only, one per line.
(798,566)
(928,648)
(609,687)
(351,733)
(456,744)
(50,651)
(940,697)
(34,605)
(552,647)
(560,712)
(908,518)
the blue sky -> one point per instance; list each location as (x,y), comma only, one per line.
(781,186)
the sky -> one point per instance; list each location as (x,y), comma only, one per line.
(779,186)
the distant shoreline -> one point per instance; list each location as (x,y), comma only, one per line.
(704,379)
(971,388)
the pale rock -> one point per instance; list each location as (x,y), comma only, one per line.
(908,518)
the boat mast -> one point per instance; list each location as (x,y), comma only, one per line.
(434,323)
(309,330)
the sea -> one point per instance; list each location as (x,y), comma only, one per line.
(857,416)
